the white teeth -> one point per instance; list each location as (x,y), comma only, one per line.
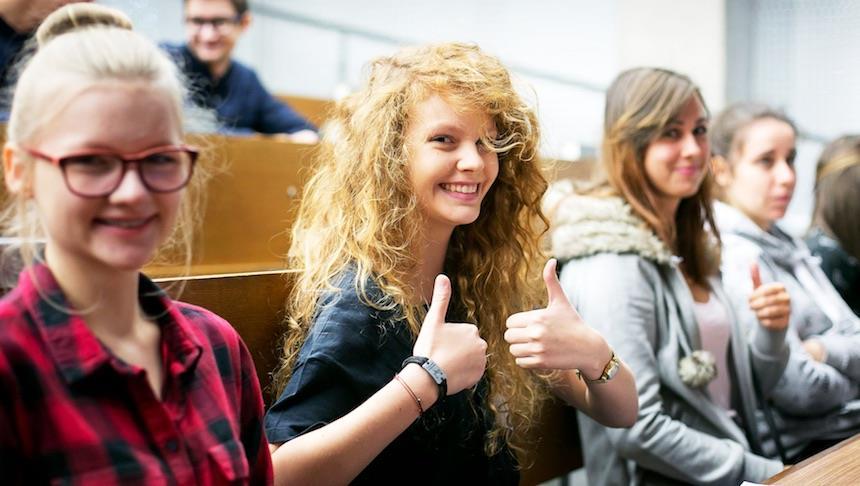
(126,223)
(461,188)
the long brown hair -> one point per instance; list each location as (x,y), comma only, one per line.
(837,182)
(640,104)
(359,211)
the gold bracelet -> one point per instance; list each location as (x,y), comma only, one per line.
(411,394)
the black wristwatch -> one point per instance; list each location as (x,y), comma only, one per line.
(433,370)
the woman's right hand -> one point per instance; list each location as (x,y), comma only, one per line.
(456,347)
(770,302)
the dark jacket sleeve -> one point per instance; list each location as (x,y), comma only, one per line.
(274,116)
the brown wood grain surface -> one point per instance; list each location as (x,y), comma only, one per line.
(315,110)
(838,465)
(250,205)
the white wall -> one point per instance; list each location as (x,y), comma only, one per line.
(686,36)
(584,41)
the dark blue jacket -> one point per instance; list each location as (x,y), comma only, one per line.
(239,98)
(11,46)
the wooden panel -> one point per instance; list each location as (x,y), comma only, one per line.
(252,302)
(249,207)
(839,464)
(558,451)
(578,170)
(315,110)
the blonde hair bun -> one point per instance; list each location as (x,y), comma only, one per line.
(76,16)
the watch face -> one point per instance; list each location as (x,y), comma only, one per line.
(612,369)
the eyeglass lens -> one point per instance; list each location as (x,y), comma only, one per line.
(100,174)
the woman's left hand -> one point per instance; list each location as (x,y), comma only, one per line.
(556,337)
(770,302)
(816,350)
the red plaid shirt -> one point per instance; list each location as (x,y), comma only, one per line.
(73,413)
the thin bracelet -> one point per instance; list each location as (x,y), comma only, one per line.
(411,393)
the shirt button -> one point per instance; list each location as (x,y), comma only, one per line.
(172,446)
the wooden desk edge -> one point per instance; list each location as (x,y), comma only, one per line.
(810,460)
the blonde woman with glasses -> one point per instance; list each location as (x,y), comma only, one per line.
(103,378)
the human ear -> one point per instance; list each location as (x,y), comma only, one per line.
(722,170)
(244,22)
(15,172)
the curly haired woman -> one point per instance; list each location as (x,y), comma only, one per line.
(430,168)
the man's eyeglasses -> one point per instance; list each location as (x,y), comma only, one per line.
(221,24)
(97,173)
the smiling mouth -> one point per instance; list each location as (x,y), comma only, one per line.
(125,223)
(689,169)
(461,188)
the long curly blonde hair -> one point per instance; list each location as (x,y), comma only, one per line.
(359,211)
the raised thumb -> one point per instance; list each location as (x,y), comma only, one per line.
(554,292)
(439,302)
(755,273)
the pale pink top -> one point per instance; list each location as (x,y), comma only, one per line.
(716,331)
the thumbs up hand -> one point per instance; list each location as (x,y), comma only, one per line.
(457,348)
(770,302)
(556,337)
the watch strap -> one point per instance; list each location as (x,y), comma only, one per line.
(432,369)
(609,371)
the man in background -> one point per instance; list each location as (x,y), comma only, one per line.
(221,83)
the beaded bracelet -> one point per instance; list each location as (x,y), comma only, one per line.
(411,393)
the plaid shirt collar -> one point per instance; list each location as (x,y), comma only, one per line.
(76,350)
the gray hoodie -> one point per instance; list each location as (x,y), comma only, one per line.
(815,400)
(625,283)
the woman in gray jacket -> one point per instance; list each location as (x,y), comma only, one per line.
(639,266)
(754,148)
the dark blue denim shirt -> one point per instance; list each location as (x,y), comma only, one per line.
(352,351)
(242,103)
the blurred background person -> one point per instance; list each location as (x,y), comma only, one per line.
(834,235)
(641,266)
(219,82)
(754,150)
(18,22)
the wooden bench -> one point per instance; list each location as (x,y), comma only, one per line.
(249,207)
(558,451)
(315,110)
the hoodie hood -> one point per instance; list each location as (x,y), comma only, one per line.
(776,243)
(588,225)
